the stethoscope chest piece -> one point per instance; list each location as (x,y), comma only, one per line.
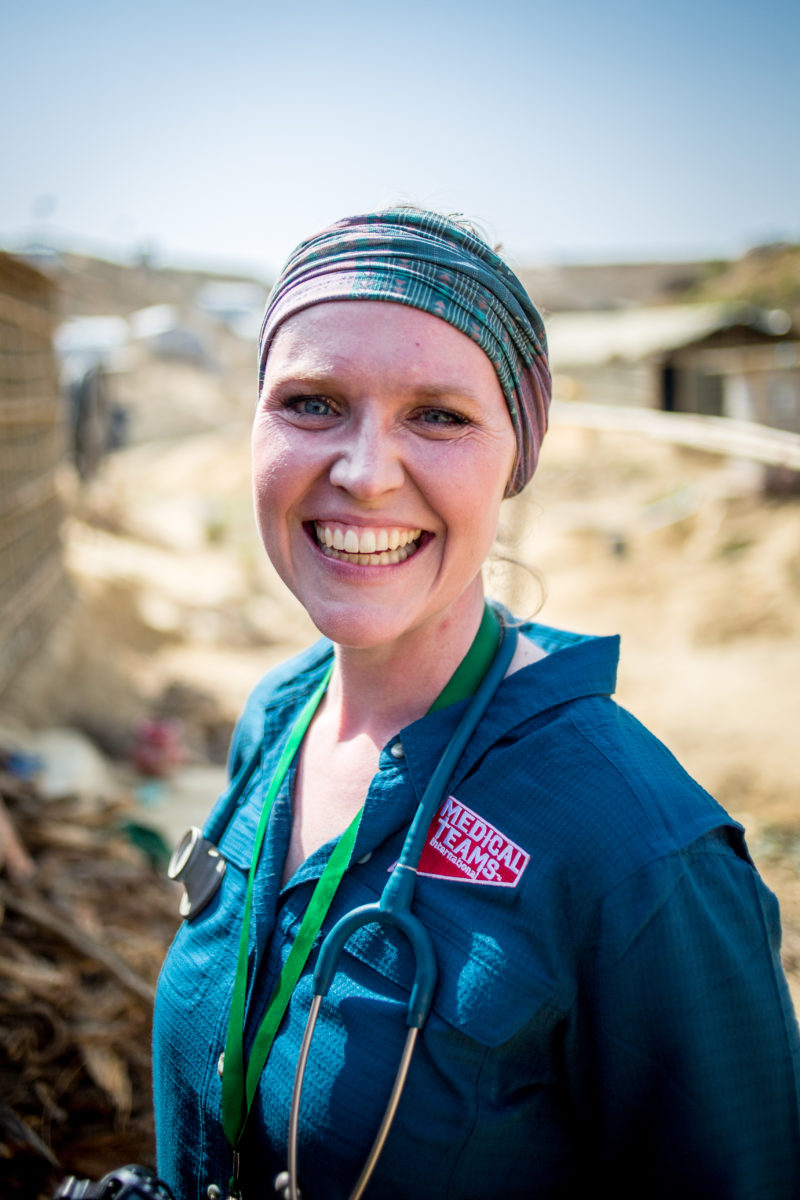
(198,865)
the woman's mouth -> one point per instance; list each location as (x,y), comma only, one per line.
(367,547)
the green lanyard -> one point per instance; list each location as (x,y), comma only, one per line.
(240,1082)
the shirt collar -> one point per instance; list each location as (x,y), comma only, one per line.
(576,666)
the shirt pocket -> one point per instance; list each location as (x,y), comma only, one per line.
(494,976)
(487,1069)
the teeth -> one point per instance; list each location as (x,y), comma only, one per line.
(375,547)
(368,547)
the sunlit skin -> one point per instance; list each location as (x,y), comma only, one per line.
(378,426)
(375,416)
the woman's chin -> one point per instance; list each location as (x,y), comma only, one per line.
(372,626)
(360,630)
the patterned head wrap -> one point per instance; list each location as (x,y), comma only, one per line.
(427,261)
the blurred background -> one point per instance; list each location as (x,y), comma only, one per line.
(640,168)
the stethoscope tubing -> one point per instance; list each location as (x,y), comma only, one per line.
(388,1114)
(394,909)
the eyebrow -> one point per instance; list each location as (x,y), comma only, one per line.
(325,382)
(442,391)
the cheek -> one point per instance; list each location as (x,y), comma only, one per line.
(510,460)
(267,475)
(489,484)
(472,505)
(493,474)
(272,476)
(273,454)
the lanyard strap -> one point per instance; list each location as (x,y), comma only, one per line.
(240,1083)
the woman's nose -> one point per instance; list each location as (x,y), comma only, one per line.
(368,463)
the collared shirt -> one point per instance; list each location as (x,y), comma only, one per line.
(610,1007)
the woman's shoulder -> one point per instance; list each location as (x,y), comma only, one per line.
(588,776)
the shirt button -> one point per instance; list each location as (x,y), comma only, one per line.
(221,1065)
(364,859)
(397,750)
(282,1186)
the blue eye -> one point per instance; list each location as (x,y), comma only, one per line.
(442,416)
(310,406)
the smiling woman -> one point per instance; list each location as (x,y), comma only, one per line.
(438,818)
(371,420)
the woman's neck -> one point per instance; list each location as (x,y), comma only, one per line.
(378,689)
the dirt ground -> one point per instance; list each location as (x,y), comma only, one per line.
(679,552)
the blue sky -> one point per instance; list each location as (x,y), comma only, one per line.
(221,133)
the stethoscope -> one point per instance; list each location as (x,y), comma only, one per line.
(198,865)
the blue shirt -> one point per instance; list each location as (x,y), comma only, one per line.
(610,1009)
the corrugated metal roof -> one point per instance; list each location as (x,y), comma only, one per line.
(592,338)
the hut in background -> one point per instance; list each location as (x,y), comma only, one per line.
(33,585)
(723,360)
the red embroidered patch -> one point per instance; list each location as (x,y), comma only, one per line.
(462,845)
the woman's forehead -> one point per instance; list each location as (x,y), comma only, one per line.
(365,315)
(376,335)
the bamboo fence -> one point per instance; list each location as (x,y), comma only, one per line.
(32,444)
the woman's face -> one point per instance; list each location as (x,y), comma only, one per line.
(382,447)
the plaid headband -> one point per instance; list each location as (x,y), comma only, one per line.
(425,260)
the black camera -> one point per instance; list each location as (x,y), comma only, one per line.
(126,1183)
